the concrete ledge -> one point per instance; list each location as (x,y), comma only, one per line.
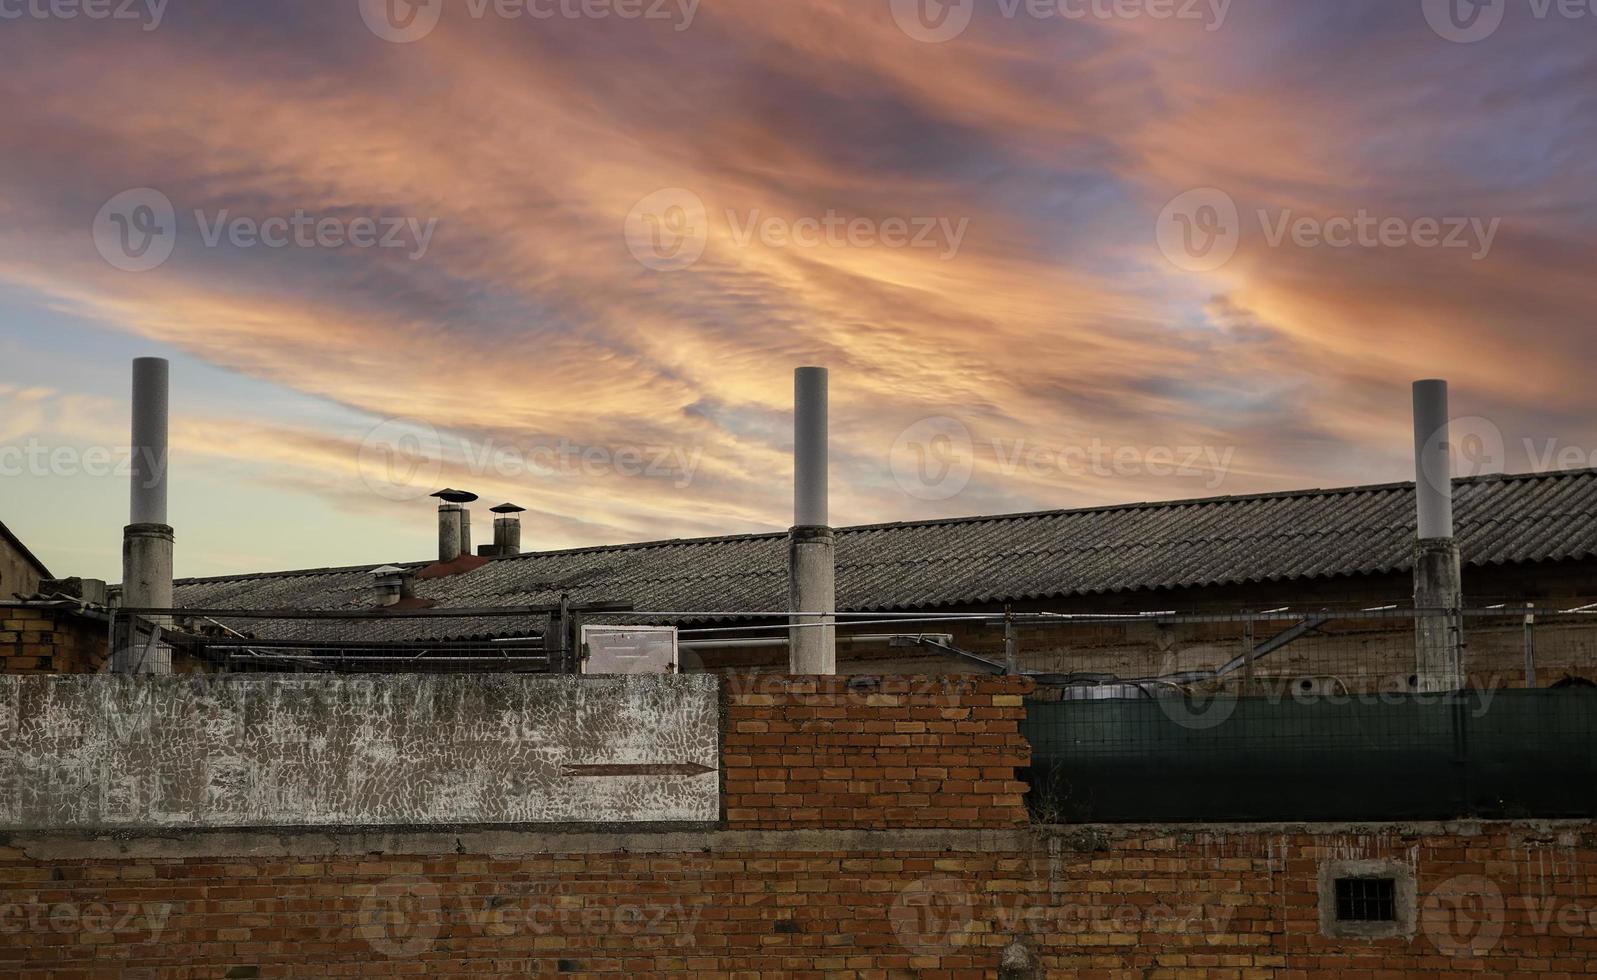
(503,843)
(1417,828)
(513,843)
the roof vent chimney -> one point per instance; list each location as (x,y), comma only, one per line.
(507,532)
(394,584)
(454,523)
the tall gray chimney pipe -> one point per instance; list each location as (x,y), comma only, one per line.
(151,397)
(810,455)
(1433,460)
(147,541)
(811,543)
(1438,570)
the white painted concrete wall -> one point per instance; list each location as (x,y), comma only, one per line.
(111,752)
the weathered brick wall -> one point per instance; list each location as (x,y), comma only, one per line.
(880,752)
(1489,900)
(808,877)
(35,640)
(41,641)
(1178,902)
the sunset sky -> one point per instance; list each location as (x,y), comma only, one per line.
(611,238)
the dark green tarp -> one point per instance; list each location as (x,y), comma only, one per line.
(1499,754)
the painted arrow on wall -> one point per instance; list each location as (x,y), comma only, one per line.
(641,769)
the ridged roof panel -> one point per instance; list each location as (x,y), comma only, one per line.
(1221,541)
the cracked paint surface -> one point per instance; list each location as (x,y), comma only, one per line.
(110,752)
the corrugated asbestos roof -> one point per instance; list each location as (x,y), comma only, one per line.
(1306,534)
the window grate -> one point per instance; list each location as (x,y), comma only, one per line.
(1366,900)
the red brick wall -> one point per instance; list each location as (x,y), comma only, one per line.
(891,752)
(1176,902)
(46,641)
(871,832)
(1190,901)
(39,641)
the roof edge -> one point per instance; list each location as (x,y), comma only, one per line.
(22,549)
(933,522)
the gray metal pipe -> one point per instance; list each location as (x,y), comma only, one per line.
(147,541)
(847,639)
(151,382)
(811,545)
(1433,460)
(810,504)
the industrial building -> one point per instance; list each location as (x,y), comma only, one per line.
(1531,537)
(1285,734)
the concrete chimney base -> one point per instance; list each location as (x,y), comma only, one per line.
(1438,585)
(146,584)
(812,571)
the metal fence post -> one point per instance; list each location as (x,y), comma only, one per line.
(1011,642)
(1247,651)
(1530,645)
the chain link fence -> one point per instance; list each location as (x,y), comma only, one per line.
(1327,716)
